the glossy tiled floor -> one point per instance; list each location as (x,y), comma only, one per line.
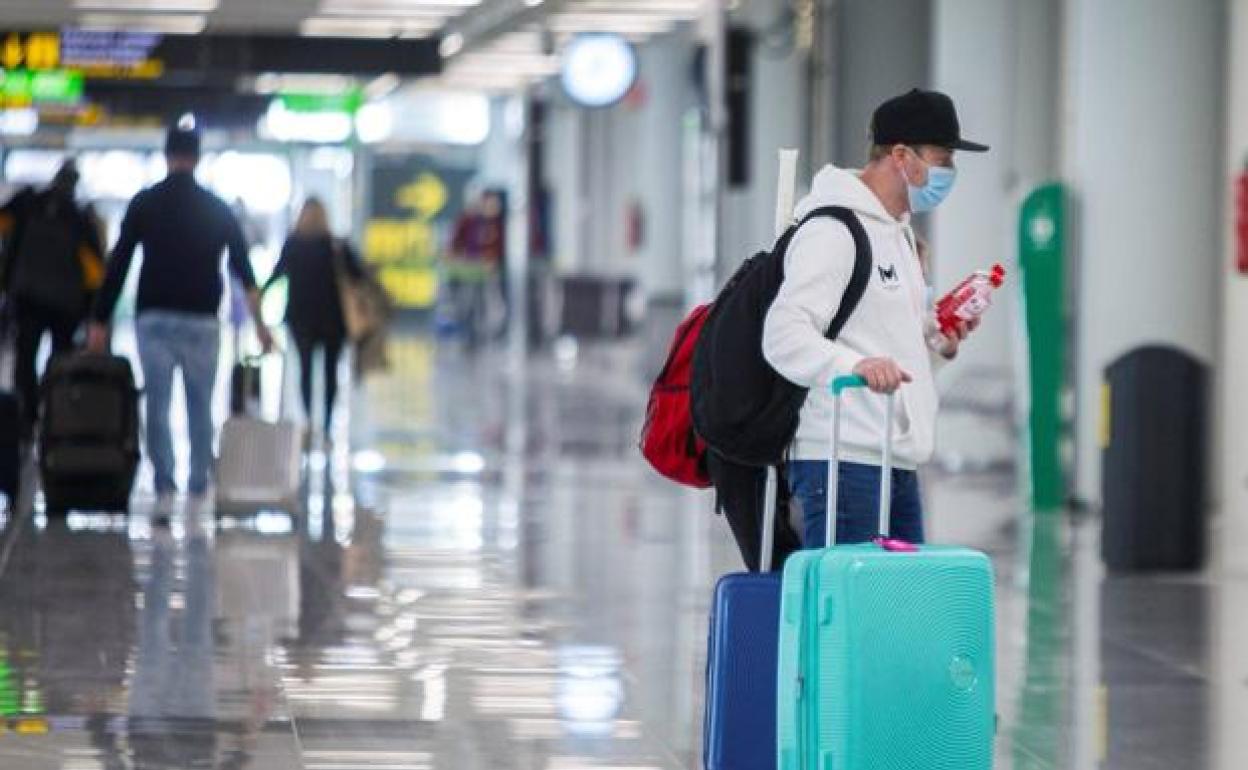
(491,579)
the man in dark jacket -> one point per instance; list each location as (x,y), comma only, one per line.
(183,229)
(53,265)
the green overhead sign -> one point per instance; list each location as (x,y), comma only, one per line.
(348,101)
(22,88)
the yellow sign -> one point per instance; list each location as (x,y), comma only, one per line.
(426,196)
(406,249)
(38,51)
(97,54)
(149,69)
(31,726)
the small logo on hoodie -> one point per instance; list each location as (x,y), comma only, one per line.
(888,276)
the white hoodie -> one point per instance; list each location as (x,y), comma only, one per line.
(888,322)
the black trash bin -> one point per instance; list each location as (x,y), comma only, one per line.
(1154,461)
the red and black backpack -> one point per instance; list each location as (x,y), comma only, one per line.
(716,389)
(668,440)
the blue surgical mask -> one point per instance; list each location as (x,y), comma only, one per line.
(939,184)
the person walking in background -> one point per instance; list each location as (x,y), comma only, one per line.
(315,263)
(476,255)
(183,229)
(54,265)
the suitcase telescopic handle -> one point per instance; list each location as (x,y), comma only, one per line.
(786,191)
(838,387)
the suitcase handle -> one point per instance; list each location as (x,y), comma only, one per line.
(786,191)
(838,387)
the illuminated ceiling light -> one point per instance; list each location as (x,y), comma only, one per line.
(283,125)
(609,22)
(23,122)
(533,3)
(396,6)
(172,24)
(184,6)
(689,9)
(374,122)
(272,82)
(349,27)
(389,10)
(469,462)
(368,461)
(451,45)
(598,69)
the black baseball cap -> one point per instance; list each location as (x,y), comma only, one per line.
(182,140)
(920,117)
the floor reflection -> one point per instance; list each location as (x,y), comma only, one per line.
(483,575)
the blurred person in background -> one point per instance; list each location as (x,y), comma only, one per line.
(54,264)
(477,251)
(315,264)
(183,229)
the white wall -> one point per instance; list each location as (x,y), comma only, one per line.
(564,125)
(666,71)
(1142,155)
(975,226)
(1034,120)
(497,158)
(884,50)
(776,115)
(1229,738)
(598,161)
(1233,380)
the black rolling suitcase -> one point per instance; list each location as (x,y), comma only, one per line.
(245,388)
(89,442)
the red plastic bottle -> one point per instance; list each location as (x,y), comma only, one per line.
(967,301)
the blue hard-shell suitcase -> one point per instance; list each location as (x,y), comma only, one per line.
(741,673)
(740,726)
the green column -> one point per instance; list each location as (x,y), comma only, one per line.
(1042,256)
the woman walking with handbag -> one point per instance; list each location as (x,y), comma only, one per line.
(320,269)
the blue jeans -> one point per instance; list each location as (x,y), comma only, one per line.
(857,504)
(192,343)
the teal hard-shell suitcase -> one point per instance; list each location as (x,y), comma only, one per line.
(886,652)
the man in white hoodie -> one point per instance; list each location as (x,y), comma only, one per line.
(885,340)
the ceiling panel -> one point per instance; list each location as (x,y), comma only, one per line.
(387,17)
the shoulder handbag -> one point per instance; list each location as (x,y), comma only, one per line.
(358,314)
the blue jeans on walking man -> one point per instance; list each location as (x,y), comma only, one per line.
(190,342)
(858,502)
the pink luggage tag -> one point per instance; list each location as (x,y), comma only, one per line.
(893,545)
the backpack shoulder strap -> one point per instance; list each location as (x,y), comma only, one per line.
(862,264)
